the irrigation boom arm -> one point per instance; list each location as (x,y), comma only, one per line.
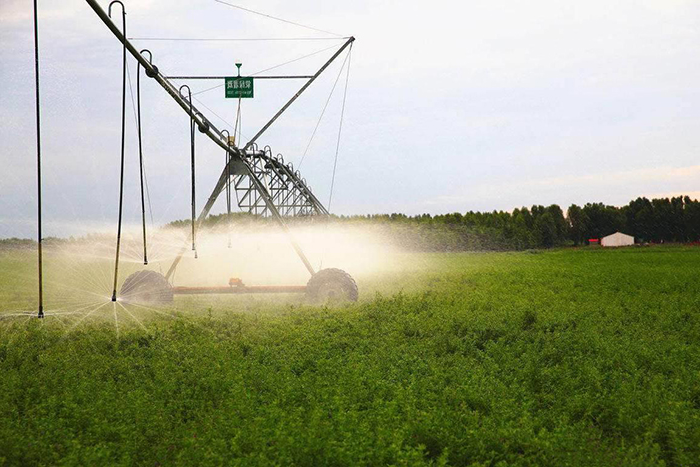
(217,137)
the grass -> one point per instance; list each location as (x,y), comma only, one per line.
(566,357)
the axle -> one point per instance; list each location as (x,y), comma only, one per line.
(242,289)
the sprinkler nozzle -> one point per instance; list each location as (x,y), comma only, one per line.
(114,296)
(41,312)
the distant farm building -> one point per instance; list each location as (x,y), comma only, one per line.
(617,239)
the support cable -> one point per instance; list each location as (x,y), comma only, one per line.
(295,60)
(337,145)
(340,129)
(237,125)
(236,39)
(215,77)
(223,120)
(38,162)
(121,176)
(208,89)
(272,68)
(318,123)
(148,196)
(240,124)
(194,206)
(278,19)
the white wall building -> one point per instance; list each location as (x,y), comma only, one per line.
(617,239)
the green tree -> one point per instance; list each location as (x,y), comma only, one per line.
(578,224)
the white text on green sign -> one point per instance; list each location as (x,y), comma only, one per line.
(237,87)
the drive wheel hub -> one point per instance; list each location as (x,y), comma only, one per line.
(146,287)
(331,285)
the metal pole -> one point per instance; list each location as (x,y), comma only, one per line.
(255,77)
(38,162)
(228,189)
(192,125)
(143,200)
(121,176)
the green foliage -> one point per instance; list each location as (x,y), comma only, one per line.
(657,220)
(16,243)
(539,227)
(568,357)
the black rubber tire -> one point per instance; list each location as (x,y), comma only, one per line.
(331,285)
(146,287)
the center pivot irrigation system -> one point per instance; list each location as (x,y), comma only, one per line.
(264,184)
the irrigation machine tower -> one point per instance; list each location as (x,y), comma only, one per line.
(264,184)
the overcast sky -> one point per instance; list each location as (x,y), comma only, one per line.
(452,106)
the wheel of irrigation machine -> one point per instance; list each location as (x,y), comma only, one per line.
(146,287)
(331,285)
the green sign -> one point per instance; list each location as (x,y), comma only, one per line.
(237,87)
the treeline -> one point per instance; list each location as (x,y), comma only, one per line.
(656,220)
(524,228)
(14,243)
(648,220)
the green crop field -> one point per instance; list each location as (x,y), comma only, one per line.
(563,357)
